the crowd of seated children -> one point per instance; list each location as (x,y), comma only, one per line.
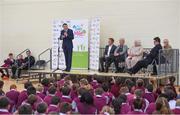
(80,97)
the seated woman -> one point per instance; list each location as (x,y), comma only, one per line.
(7,64)
(120,55)
(168,53)
(134,54)
(166,44)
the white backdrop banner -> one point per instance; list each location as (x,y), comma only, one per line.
(80,42)
(94,44)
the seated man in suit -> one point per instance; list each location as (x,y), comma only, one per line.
(120,55)
(149,58)
(29,61)
(108,55)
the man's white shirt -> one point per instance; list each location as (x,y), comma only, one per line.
(109,50)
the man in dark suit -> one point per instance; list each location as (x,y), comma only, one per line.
(149,58)
(67,36)
(108,55)
(27,63)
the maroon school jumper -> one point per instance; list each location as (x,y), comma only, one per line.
(66,99)
(144,103)
(151,108)
(129,97)
(58,94)
(115,90)
(86,109)
(41,94)
(176,110)
(125,108)
(109,96)
(99,102)
(76,102)
(53,108)
(13,95)
(73,94)
(136,112)
(95,84)
(47,99)
(34,106)
(150,97)
(22,97)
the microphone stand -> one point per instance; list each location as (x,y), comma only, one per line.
(58,56)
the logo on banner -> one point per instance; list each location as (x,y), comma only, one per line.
(79,31)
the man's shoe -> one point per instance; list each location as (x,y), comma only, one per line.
(68,70)
(117,71)
(64,70)
(13,77)
(101,70)
(129,72)
(153,74)
(106,71)
(122,70)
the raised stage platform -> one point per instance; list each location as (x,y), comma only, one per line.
(40,74)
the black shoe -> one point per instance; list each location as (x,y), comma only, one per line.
(106,71)
(129,72)
(117,71)
(64,70)
(101,70)
(13,77)
(153,74)
(122,70)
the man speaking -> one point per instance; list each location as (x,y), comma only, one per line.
(67,36)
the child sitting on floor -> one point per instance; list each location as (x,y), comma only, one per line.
(39,91)
(99,99)
(149,95)
(51,93)
(86,105)
(66,95)
(54,106)
(13,95)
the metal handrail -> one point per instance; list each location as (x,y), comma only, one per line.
(22,52)
(50,50)
(39,56)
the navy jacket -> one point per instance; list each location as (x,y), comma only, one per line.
(67,41)
(154,53)
(111,52)
(29,61)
